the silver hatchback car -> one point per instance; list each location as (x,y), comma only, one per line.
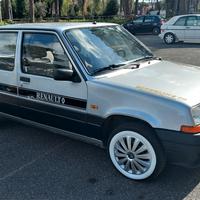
(185,28)
(97,82)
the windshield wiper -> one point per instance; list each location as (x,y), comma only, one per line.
(146,58)
(109,67)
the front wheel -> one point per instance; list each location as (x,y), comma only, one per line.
(136,153)
(169,38)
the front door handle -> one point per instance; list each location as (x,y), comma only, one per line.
(25,79)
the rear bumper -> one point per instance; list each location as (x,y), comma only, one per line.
(181,149)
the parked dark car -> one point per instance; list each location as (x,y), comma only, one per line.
(145,24)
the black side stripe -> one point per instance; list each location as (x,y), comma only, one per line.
(8,88)
(44,96)
(53,98)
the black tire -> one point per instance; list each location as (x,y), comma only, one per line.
(156,31)
(144,132)
(169,38)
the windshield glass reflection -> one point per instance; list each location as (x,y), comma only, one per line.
(100,47)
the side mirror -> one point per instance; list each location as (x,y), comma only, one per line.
(61,74)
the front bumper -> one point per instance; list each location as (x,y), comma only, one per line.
(180,148)
(161,36)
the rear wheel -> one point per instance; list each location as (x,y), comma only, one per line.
(135,152)
(169,38)
(156,31)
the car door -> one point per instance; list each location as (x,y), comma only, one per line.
(147,24)
(8,71)
(178,28)
(61,104)
(192,29)
(138,25)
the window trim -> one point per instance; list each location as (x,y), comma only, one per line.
(15,54)
(59,36)
(41,32)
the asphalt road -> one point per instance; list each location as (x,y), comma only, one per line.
(179,52)
(40,165)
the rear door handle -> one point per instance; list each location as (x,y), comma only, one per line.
(25,79)
(187,27)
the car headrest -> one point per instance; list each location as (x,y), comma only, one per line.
(36,51)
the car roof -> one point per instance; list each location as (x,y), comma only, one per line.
(178,16)
(187,15)
(149,16)
(53,26)
(175,18)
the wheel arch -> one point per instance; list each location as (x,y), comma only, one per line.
(170,32)
(116,119)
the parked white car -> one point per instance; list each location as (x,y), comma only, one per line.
(184,28)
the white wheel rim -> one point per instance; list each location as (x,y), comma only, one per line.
(169,38)
(132,155)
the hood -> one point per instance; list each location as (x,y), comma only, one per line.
(175,81)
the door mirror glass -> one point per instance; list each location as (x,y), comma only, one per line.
(62,74)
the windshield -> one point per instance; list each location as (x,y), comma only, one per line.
(100,47)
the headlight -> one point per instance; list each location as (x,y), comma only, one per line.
(196,114)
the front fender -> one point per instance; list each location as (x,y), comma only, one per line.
(151,120)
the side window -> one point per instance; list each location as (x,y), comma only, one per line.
(42,53)
(148,19)
(191,21)
(198,20)
(180,22)
(7,51)
(139,20)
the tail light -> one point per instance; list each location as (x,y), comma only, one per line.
(162,21)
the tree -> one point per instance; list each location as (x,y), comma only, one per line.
(65,8)
(8,10)
(57,9)
(32,10)
(111,8)
(40,9)
(169,8)
(20,8)
(127,7)
(136,7)
(85,7)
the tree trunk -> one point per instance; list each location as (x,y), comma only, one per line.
(57,10)
(32,11)
(121,6)
(85,6)
(127,7)
(136,7)
(0,11)
(8,10)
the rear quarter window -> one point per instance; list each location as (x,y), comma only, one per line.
(180,22)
